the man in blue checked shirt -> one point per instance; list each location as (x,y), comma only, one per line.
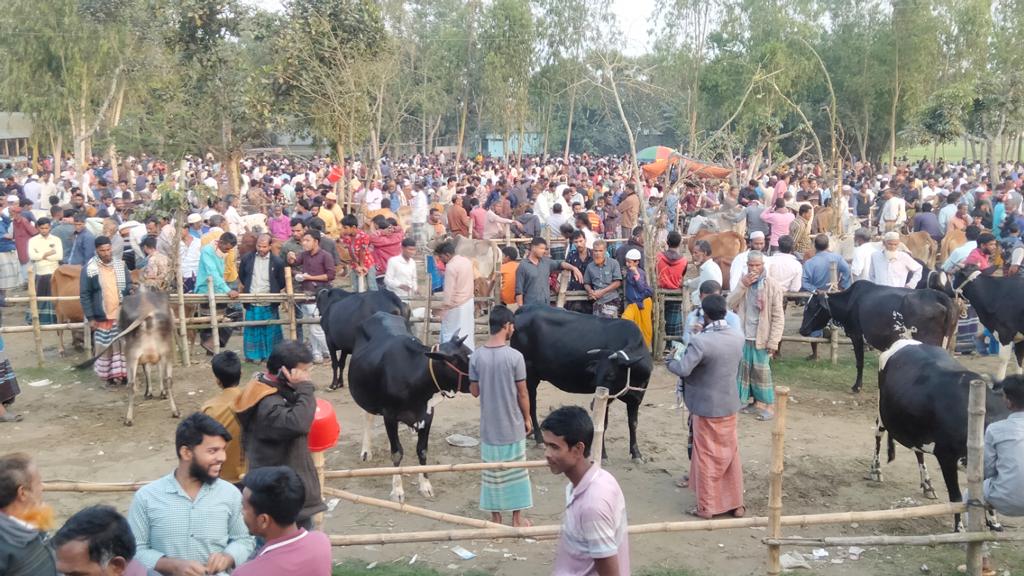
(189,523)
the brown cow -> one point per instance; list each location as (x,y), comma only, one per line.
(724,248)
(65,282)
(922,246)
(951,241)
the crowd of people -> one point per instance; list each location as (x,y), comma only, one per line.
(322,222)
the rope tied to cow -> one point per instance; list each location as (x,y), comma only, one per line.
(433,376)
(958,294)
(628,387)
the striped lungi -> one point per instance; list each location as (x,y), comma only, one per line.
(111,364)
(505,490)
(8,380)
(47,311)
(755,375)
(967,331)
(673,318)
(10,270)
(260,340)
(716,472)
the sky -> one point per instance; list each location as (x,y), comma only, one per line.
(633,17)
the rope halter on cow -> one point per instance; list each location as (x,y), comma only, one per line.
(958,292)
(433,376)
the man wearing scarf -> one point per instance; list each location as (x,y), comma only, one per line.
(104,285)
(758,302)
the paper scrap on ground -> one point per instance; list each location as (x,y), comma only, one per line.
(463,553)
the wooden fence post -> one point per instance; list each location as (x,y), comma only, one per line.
(658,340)
(775,482)
(563,285)
(426,310)
(186,359)
(290,291)
(33,308)
(833,336)
(318,463)
(600,410)
(211,298)
(975,473)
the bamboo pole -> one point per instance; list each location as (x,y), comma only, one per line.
(186,359)
(975,473)
(319,463)
(775,483)
(432,469)
(806,339)
(212,299)
(33,308)
(290,292)
(833,336)
(599,417)
(409,509)
(923,540)
(563,285)
(93,487)
(426,310)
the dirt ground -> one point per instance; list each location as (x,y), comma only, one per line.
(73,427)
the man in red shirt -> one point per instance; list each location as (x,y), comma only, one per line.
(979,257)
(386,240)
(360,253)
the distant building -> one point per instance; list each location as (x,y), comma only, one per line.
(494,144)
(15,130)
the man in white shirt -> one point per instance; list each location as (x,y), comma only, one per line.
(860,268)
(33,191)
(893,267)
(894,211)
(373,196)
(785,269)
(738,269)
(232,217)
(400,276)
(947,211)
(709,270)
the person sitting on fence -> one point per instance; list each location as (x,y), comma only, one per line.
(594,538)
(227,371)
(23,519)
(709,366)
(103,286)
(261,272)
(190,521)
(758,303)
(497,376)
(579,256)
(211,266)
(97,540)
(45,251)
(271,503)
(602,281)
(360,258)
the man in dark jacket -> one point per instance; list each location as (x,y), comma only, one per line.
(276,410)
(103,286)
(261,272)
(22,548)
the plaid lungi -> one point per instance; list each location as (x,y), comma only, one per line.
(47,312)
(111,364)
(505,490)
(8,380)
(755,375)
(673,318)
(10,270)
(260,340)
(608,309)
(966,331)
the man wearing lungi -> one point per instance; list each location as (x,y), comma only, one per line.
(758,302)
(497,376)
(10,267)
(104,285)
(261,272)
(710,366)
(456,309)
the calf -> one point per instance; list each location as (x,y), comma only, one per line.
(394,375)
(341,314)
(881,315)
(579,352)
(923,394)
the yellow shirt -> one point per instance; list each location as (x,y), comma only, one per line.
(330,222)
(37,246)
(219,408)
(230,259)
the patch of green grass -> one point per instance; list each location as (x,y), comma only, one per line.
(358,568)
(800,374)
(941,560)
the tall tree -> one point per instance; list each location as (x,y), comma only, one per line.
(507,41)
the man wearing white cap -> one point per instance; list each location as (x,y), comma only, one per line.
(738,269)
(891,266)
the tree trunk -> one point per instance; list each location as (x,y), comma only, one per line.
(462,130)
(965,145)
(547,129)
(568,127)
(423,129)
(1020,147)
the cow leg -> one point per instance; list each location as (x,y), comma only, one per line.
(60,341)
(1018,351)
(133,366)
(948,465)
(167,384)
(149,387)
(1005,352)
(633,420)
(366,454)
(926,479)
(391,426)
(335,384)
(875,475)
(858,353)
(422,437)
(531,389)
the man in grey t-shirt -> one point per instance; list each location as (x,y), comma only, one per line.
(533,272)
(602,279)
(497,375)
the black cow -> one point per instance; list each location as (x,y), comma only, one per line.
(923,395)
(579,352)
(392,374)
(341,313)
(997,302)
(882,315)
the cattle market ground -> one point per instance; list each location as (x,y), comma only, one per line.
(73,427)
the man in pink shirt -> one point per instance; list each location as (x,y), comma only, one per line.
(456,309)
(594,539)
(479,217)
(271,502)
(778,220)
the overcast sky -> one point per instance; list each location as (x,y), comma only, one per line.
(633,16)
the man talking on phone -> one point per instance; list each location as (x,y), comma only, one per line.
(276,410)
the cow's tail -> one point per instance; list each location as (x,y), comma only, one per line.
(890,447)
(131,328)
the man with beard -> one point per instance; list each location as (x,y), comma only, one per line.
(23,516)
(190,521)
(894,267)
(104,285)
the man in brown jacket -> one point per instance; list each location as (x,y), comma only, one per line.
(758,302)
(629,210)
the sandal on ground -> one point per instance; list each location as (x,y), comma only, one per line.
(748,409)
(764,415)
(695,512)
(683,481)
(9,417)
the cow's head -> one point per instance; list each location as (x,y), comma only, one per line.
(941,281)
(611,368)
(816,314)
(327,296)
(450,364)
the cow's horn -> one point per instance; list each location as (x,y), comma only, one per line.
(594,351)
